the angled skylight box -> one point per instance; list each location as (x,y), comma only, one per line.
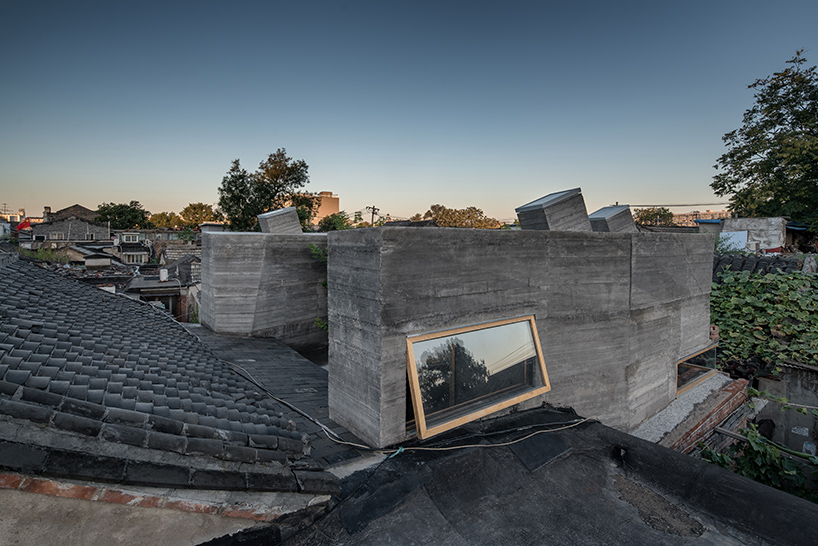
(460,375)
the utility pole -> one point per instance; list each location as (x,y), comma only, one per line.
(374,210)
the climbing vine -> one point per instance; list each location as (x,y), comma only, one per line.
(762,460)
(773,316)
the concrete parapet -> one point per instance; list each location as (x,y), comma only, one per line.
(266,285)
(614,312)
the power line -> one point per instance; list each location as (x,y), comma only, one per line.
(683,205)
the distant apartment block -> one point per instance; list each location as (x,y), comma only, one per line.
(688,219)
(329,204)
(12,217)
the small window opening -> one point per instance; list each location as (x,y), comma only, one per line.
(695,368)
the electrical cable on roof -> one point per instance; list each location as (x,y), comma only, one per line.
(402,449)
(337,439)
(332,436)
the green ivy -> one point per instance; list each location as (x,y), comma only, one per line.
(773,316)
(761,460)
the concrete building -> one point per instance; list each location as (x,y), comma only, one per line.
(329,204)
(614,313)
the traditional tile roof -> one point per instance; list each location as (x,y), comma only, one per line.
(754,264)
(87,375)
(175,252)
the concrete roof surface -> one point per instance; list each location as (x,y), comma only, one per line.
(584,485)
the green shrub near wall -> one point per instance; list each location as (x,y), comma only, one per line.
(773,316)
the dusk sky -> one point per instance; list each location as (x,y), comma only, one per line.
(394,104)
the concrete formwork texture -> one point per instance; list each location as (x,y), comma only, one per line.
(560,211)
(265,285)
(282,221)
(614,313)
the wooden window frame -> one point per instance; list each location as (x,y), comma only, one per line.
(424,431)
(699,380)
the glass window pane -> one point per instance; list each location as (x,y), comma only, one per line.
(474,368)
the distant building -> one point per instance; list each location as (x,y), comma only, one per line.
(62,232)
(11,217)
(77,211)
(329,204)
(688,219)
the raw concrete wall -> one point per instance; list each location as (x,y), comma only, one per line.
(769,233)
(260,284)
(611,317)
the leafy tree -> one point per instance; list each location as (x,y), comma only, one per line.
(771,165)
(470,217)
(334,222)
(122,216)
(197,213)
(306,205)
(166,220)
(653,216)
(237,199)
(276,184)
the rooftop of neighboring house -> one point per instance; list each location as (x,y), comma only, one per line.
(76,210)
(175,252)
(87,375)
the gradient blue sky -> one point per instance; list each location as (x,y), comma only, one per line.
(393,104)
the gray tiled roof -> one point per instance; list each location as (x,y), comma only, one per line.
(110,370)
(177,252)
(760,265)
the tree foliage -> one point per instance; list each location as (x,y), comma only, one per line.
(168,220)
(122,216)
(195,214)
(653,216)
(771,165)
(470,217)
(276,184)
(334,222)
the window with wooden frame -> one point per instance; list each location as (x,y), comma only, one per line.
(695,368)
(459,375)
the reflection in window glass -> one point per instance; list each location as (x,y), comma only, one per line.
(469,369)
